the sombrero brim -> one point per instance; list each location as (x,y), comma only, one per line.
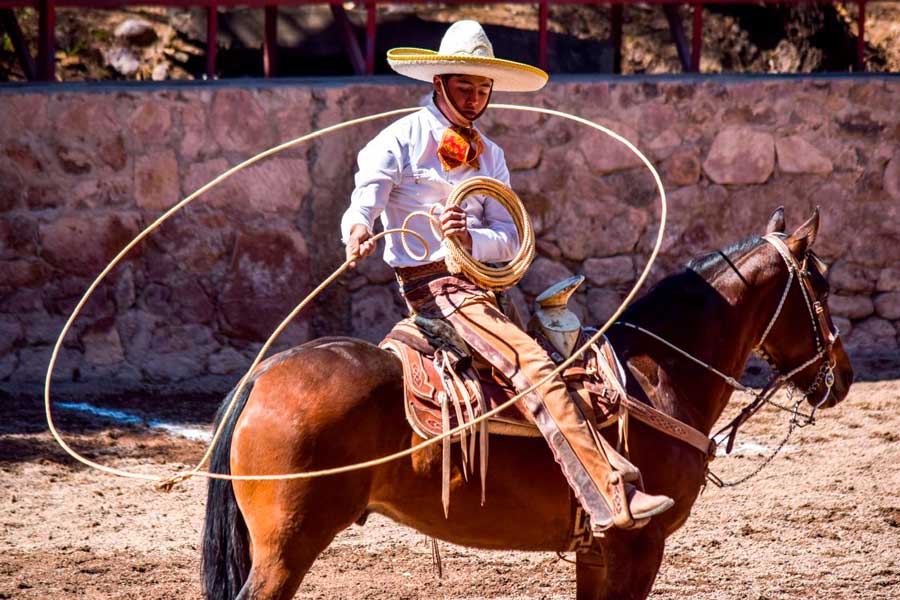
(508,75)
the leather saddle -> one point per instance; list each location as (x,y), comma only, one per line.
(447,385)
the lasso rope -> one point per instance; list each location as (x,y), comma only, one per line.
(167,483)
(459,260)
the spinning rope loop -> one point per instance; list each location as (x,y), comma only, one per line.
(494,278)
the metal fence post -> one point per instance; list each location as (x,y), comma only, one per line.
(371,15)
(270,41)
(616,14)
(212,34)
(46,67)
(696,38)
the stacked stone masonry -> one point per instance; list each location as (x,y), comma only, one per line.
(83,170)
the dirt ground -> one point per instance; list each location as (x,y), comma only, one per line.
(822,521)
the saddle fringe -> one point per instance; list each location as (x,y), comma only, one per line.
(436,558)
(462,397)
(461,390)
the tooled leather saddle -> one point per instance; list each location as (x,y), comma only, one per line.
(447,385)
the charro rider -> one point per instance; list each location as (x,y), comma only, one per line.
(413,165)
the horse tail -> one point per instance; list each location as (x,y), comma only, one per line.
(225,562)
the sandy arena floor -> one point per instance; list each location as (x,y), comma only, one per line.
(822,521)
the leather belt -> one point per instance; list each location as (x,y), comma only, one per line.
(408,275)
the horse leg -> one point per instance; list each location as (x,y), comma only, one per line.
(274,578)
(621,566)
(299,520)
(277,570)
(590,573)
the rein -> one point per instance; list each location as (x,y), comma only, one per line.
(824,336)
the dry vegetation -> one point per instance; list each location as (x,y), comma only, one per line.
(738,38)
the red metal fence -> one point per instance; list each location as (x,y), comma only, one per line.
(363,59)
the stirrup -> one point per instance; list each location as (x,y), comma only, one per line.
(619,503)
(619,497)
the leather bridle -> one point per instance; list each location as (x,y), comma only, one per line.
(824,334)
(825,337)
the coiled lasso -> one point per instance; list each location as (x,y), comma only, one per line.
(459,260)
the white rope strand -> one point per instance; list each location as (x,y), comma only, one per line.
(196,471)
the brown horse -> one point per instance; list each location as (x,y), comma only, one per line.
(337,401)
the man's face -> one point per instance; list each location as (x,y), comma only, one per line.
(469,93)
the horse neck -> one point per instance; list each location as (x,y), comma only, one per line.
(719,322)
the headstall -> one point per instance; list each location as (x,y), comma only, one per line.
(825,337)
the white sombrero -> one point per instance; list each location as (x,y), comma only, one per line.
(466,49)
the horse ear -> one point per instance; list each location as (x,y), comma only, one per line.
(800,241)
(776,221)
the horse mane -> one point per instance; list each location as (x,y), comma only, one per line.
(710,265)
(690,286)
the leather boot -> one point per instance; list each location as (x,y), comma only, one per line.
(623,481)
(630,507)
(606,491)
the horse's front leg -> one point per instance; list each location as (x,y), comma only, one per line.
(620,566)
(590,574)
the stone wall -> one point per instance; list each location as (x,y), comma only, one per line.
(82,170)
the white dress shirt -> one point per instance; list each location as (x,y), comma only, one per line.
(400,172)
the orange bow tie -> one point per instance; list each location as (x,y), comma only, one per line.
(460,146)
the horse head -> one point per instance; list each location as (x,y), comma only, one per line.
(801,342)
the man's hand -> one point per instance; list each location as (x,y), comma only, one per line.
(453,223)
(359,245)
